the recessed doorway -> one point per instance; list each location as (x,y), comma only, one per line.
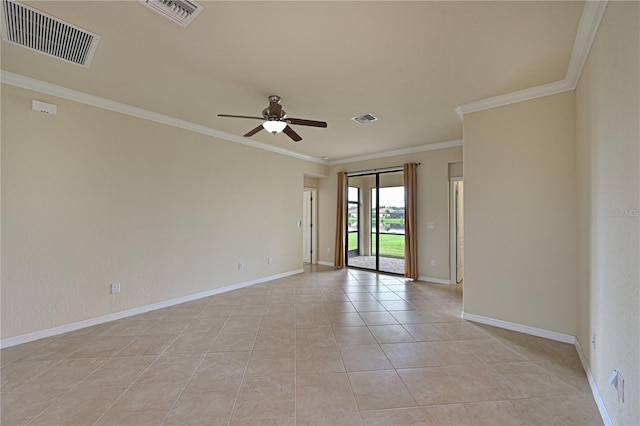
(376,222)
(309,235)
(456,220)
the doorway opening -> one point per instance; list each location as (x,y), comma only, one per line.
(456,220)
(309,235)
(376,222)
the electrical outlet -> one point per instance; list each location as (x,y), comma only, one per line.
(270,260)
(115,288)
(593,340)
(328,250)
(240,266)
(433,262)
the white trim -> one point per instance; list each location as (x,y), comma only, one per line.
(314,222)
(589,22)
(403,151)
(515,97)
(587,29)
(540,332)
(453,243)
(98,102)
(594,388)
(322,262)
(560,337)
(434,280)
(12,341)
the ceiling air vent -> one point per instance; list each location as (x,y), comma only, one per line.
(364,118)
(35,30)
(182,12)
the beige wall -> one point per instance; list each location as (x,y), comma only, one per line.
(608,134)
(310,182)
(520,236)
(455,169)
(92,197)
(433,206)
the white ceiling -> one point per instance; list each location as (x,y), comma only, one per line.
(408,63)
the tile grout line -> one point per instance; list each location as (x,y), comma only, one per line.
(295,361)
(63,393)
(77,385)
(244,372)
(391,363)
(143,371)
(539,349)
(346,373)
(199,364)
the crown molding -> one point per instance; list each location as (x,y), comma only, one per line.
(587,29)
(107,104)
(515,97)
(96,101)
(412,150)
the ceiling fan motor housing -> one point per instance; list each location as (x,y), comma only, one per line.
(267,116)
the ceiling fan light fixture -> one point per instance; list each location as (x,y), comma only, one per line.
(274,126)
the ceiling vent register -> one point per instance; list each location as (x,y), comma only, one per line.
(182,12)
(35,30)
(364,118)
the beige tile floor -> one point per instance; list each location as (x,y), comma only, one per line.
(344,347)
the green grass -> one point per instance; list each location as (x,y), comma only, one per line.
(353,241)
(391,245)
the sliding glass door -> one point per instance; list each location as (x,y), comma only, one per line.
(379,224)
(353,215)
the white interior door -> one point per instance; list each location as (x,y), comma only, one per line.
(307,226)
(459,231)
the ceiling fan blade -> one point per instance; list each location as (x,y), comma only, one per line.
(292,134)
(303,122)
(241,116)
(254,131)
(275,109)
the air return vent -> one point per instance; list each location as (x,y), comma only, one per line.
(182,12)
(30,28)
(364,118)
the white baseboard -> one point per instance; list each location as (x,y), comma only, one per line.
(594,388)
(29,337)
(434,280)
(560,337)
(540,332)
(320,262)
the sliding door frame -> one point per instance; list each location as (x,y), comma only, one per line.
(371,209)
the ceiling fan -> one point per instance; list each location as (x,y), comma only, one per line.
(275,120)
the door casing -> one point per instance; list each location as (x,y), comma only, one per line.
(453,234)
(309,227)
